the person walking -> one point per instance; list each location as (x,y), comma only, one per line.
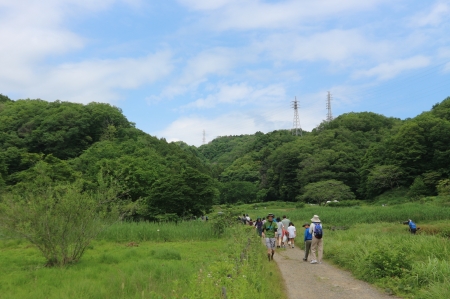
(317,242)
(292,233)
(268,233)
(279,232)
(308,239)
(285,222)
(258,226)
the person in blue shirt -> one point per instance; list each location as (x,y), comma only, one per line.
(412,226)
(308,240)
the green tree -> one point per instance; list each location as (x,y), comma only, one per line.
(418,188)
(384,177)
(60,220)
(235,191)
(443,187)
(329,190)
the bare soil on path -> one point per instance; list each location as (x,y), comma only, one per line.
(308,281)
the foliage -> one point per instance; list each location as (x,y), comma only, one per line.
(59,220)
(324,191)
(157,269)
(234,191)
(418,188)
(443,187)
(383,178)
(387,262)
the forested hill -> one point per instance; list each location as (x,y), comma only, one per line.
(357,155)
(51,143)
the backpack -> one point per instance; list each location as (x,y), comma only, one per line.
(318,233)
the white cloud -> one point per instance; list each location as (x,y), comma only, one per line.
(100,80)
(434,17)
(390,70)
(200,69)
(333,45)
(206,4)
(240,94)
(267,117)
(35,31)
(255,14)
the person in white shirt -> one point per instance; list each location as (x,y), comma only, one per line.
(292,233)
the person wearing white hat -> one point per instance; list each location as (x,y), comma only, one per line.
(317,242)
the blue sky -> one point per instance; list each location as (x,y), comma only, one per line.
(229,67)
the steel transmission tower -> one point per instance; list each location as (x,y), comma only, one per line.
(329,114)
(296,128)
(204,137)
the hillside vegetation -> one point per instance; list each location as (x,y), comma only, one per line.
(46,144)
(357,155)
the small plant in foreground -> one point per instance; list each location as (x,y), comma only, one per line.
(386,262)
(61,221)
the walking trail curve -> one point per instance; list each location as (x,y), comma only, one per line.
(305,281)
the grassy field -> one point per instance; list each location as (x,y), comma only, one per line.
(377,248)
(190,260)
(132,260)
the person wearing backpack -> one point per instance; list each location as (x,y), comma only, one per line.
(317,242)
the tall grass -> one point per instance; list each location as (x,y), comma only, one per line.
(159,232)
(111,269)
(413,266)
(366,214)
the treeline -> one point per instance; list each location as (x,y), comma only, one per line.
(357,155)
(47,144)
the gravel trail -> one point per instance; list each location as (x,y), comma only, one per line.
(305,281)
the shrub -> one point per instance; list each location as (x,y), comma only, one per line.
(387,262)
(60,221)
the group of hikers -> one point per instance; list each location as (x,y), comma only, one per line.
(281,232)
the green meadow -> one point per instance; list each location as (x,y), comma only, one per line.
(146,260)
(372,243)
(190,260)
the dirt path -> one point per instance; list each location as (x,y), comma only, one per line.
(306,281)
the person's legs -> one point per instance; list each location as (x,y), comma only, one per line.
(292,242)
(307,249)
(270,244)
(320,249)
(314,249)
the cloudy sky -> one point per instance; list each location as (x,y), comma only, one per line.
(229,67)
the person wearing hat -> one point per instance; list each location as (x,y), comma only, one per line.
(317,241)
(308,240)
(268,233)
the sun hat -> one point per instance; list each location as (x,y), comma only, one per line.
(315,219)
(305,224)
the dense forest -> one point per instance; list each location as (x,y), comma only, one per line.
(355,156)
(46,144)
